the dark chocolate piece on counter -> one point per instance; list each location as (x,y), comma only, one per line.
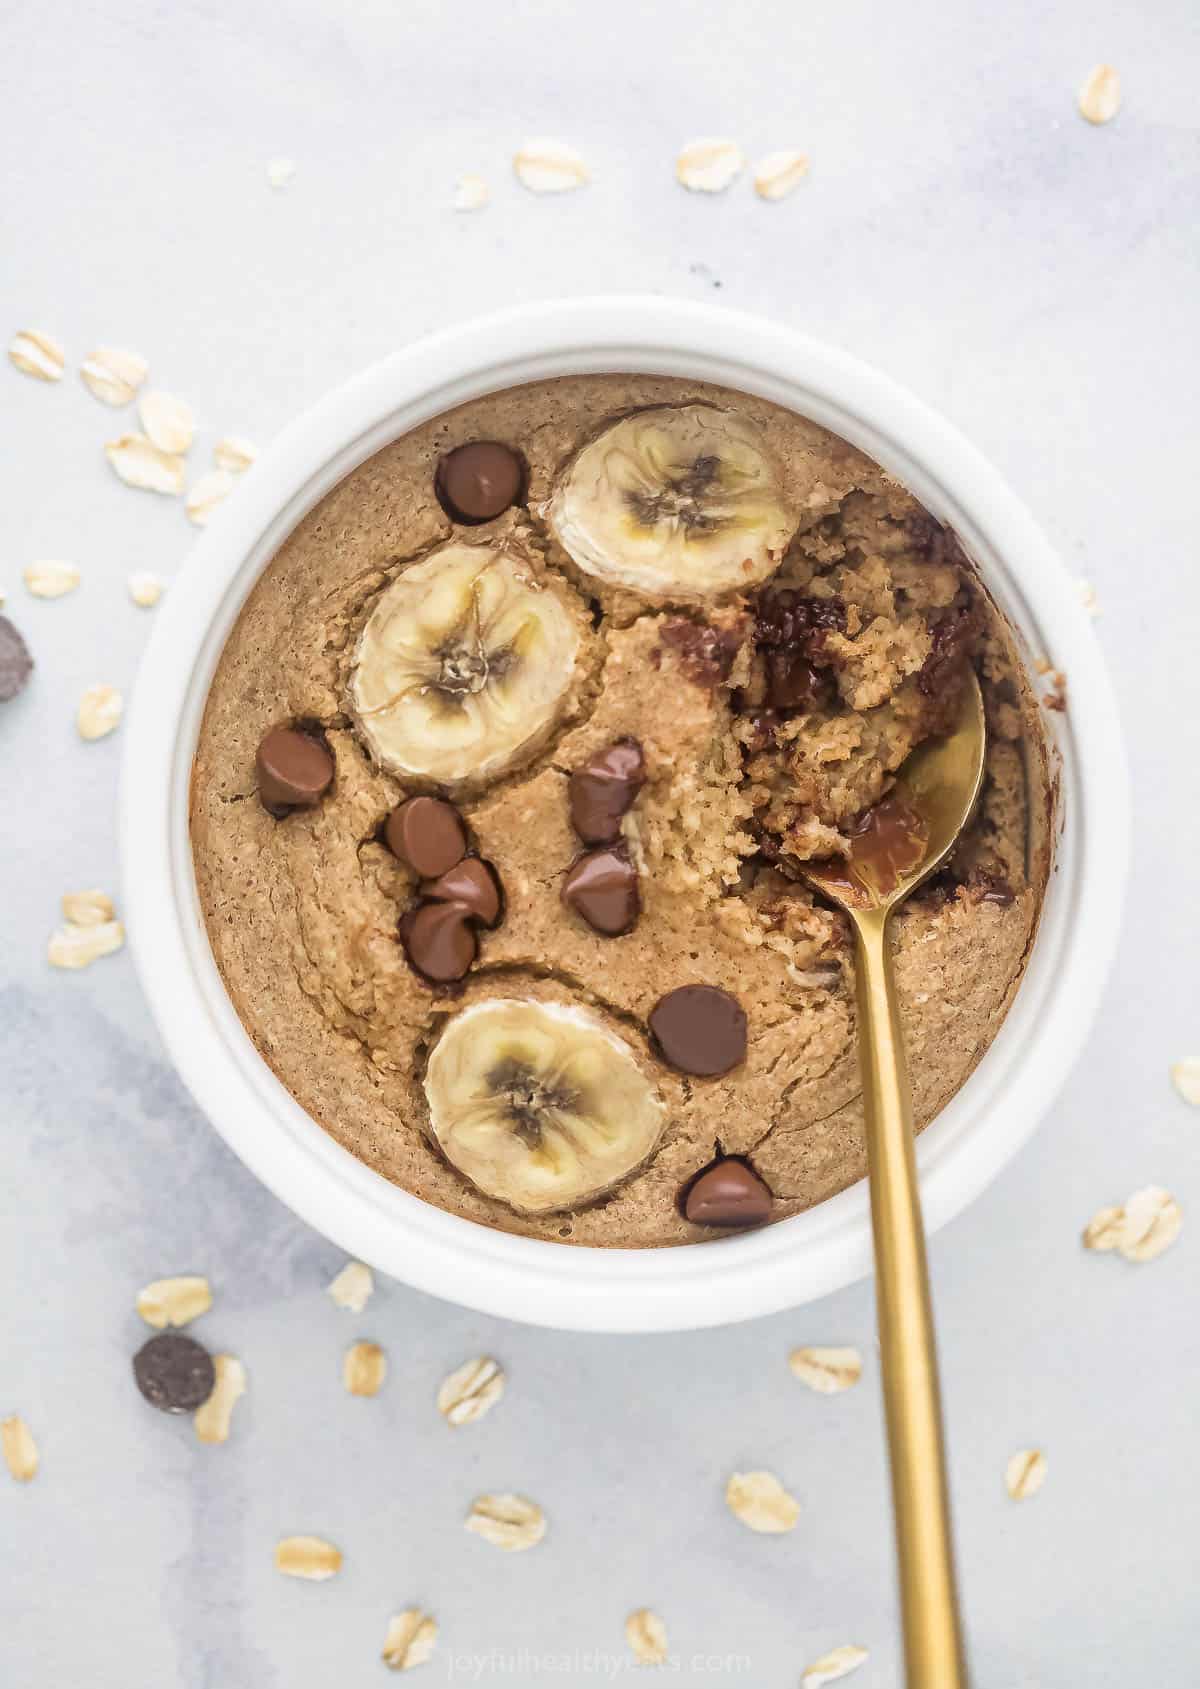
(16,665)
(427,834)
(604,788)
(294,770)
(728,1193)
(700,1029)
(174,1373)
(439,941)
(472,883)
(478,481)
(602,887)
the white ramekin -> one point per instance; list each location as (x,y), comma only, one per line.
(548,1283)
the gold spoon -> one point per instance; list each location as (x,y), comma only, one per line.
(902,841)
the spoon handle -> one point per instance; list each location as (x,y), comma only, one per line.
(933,1648)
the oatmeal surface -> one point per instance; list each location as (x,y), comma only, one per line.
(768,719)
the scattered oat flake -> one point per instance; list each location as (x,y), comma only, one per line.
(78,947)
(167,422)
(760,1501)
(145,588)
(36,353)
(207,494)
(709,166)
(1025,1474)
(174,1301)
(471,193)
(827,1371)
(1153,1220)
(140,463)
(1143,1229)
(410,1640)
(352,1287)
(87,908)
(839,1662)
(547,166)
(234,453)
(99,711)
(1185,1076)
(1103,1230)
(212,1418)
(779,173)
(364,1368)
(280,171)
(468,1393)
(20,1450)
(51,579)
(1100,95)
(511,1522)
(307,1557)
(1087,597)
(114,374)
(646,1635)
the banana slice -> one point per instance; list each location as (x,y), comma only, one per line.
(539,1104)
(463,666)
(683,503)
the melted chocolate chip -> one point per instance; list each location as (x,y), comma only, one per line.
(700,1029)
(985,887)
(705,653)
(439,940)
(427,834)
(938,543)
(294,770)
(953,637)
(601,792)
(793,683)
(174,1373)
(787,619)
(888,841)
(16,665)
(728,1193)
(477,481)
(472,883)
(602,887)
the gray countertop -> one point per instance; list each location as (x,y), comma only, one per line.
(1035,278)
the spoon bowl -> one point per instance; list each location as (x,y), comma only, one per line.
(908,835)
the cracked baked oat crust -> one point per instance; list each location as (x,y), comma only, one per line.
(770,715)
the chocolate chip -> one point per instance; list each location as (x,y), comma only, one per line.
(174,1373)
(439,940)
(953,637)
(700,1029)
(16,665)
(294,770)
(985,887)
(786,618)
(793,683)
(478,481)
(604,788)
(705,653)
(427,834)
(602,887)
(728,1193)
(470,882)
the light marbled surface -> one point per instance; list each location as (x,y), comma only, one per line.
(962,228)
